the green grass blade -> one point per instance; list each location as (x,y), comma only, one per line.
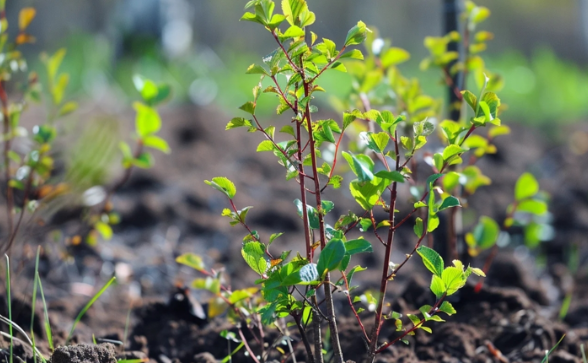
(12,324)
(46,313)
(34,303)
(584,360)
(133,360)
(9,304)
(88,305)
(548,352)
(228,357)
(565,306)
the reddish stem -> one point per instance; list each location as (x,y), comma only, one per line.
(353,307)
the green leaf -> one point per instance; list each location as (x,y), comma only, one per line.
(418,227)
(144,161)
(367,194)
(447,308)
(309,273)
(395,176)
(376,142)
(431,259)
(256,69)
(223,185)
(191,260)
(209,283)
(331,256)
(453,278)
(238,122)
(438,161)
(451,151)
(287,129)
(68,108)
(353,54)
(248,107)
(274,236)
(242,294)
(336,181)
(105,230)
(254,255)
(358,246)
(526,187)
(265,145)
(54,62)
(156,142)
(327,206)
(394,56)
(311,212)
(471,99)
(423,128)
(485,233)
(414,319)
(361,165)
(292,32)
(449,202)
(147,121)
(357,34)
(536,207)
(437,286)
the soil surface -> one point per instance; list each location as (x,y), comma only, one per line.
(168,210)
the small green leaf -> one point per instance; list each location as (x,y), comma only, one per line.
(477,271)
(418,227)
(68,108)
(526,187)
(209,283)
(471,99)
(292,32)
(395,176)
(357,34)
(191,260)
(537,207)
(254,255)
(437,286)
(331,256)
(144,161)
(256,69)
(394,56)
(449,202)
(147,121)
(454,279)
(450,151)
(274,236)
(265,145)
(248,107)
(309,273)
(358,246)
(377,142)
(238,122)
(431,259)
(105,230)
(223,185)
(156,142)
(447,308)
(414,319)
(485,233)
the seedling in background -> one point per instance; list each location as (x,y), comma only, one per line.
(30,174)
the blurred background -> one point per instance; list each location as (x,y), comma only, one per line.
(541,47)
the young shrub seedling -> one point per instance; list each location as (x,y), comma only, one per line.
(390,122)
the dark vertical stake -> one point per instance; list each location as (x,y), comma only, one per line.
(445,242)
(451,12)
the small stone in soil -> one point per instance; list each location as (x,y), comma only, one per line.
(85,353)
